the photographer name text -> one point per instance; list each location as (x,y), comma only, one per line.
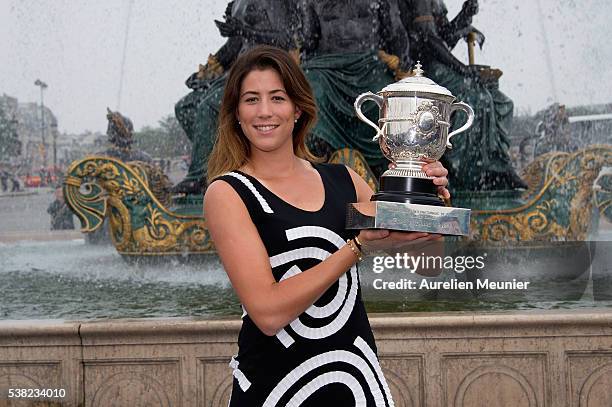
(423,263)
(453,284)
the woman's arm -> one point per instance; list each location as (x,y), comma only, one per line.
(271,305)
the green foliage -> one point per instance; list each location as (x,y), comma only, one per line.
(10,146)
(166,140)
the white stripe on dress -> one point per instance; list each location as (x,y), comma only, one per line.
(371,357)
(320,360)
(264,204)
(243,382)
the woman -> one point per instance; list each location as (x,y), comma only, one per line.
(277,221)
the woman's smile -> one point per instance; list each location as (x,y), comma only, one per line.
(265,128)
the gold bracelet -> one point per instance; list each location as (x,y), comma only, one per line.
(354,249)
(358,243)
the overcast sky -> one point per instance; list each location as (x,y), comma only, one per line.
(559,51)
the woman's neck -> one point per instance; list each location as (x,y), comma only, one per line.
(273,166)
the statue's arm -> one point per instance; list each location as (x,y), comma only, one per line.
(434,44)
(233,27)
(309,23)
(460,26)
(393,39)
(480,38)
(227,54)
(418,20)
(280,38)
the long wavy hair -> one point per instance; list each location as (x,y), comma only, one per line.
(232,148)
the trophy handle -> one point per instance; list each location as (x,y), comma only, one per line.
(470,113)
(359,101)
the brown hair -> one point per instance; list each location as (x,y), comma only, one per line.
(232,148)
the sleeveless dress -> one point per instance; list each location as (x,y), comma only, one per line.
(327,356)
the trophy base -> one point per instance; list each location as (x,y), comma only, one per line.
(408,190)
(442,220)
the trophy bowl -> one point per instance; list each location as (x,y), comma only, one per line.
(413,124)
(413,128)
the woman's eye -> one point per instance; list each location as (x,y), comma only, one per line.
(250,100)
(278,98)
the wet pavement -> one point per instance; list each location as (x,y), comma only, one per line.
(23,216)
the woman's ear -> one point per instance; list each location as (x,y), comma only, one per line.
(298,113)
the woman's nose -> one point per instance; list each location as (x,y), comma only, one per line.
(264,108)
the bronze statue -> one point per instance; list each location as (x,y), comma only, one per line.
(349,47)
(119,134)
(480,158)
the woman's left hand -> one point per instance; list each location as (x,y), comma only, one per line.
(436,169)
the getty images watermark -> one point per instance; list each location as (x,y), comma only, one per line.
(428,265)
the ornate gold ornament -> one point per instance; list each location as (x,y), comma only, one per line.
(140,223)
(559,202)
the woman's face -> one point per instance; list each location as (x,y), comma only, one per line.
(265,111)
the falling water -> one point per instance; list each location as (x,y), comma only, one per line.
(124,53)
(549,63)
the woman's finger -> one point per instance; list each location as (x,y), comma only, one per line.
(444,192)
(440,181)
(406,236)
(373,234)
(435,170)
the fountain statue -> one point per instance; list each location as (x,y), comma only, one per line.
(340,49)
(344,51)
(480,158)
(119,133)
(347,51)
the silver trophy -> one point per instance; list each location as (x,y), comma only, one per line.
(414,119)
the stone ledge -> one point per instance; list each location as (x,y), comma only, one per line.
(506,359)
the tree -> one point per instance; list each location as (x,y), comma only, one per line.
(10,146)
(166,140)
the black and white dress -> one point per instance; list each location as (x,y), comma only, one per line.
(327,356)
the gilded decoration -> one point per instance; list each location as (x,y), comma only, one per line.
(134,197)
(559,201)
(602,190)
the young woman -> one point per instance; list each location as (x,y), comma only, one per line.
(277,220)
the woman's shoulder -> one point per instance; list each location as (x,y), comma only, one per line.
(220,189)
